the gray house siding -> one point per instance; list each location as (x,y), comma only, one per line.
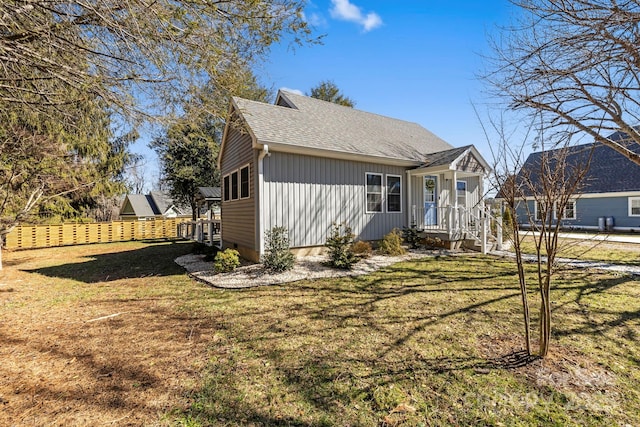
(239,216)
(589,210)
(444,193)
(308,194)
(473,191)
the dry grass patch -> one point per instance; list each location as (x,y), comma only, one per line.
(434,341)
(64,363)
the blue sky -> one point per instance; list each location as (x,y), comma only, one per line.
(414,60)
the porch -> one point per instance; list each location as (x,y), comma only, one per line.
(205,231)
(446,199)
(474,228)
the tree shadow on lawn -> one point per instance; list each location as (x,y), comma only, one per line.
(155,259)
(312,335)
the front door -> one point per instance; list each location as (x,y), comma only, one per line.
(430,188)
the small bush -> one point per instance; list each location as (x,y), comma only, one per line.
(432,242)
(391,244)
(411,235)
(339,245)
(361,249)
(277,256)
(226,261)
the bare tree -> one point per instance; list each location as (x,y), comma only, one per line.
(539,193)
(578,61)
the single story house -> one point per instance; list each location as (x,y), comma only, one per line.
(608,197)
(155,205)
(304,164)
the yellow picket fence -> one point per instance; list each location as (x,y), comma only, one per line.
(43,236)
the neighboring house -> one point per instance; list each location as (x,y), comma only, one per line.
(608,197)
(155,205)
(305,164)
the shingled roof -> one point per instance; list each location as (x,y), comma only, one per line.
(297,121)
(608,172)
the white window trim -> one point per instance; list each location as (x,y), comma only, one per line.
(386,189)
(629,204)
(226,196)
(575,213)
(230,175)
(248,166)
(466,194)
(555,211)
(382,191)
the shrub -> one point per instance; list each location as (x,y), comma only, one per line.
(411,235)
(339,245)
(361,249)
(391,244)
(226,261)
(277,256)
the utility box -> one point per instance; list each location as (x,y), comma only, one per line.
(609,223)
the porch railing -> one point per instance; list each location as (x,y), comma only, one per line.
(460,223)
(202,230)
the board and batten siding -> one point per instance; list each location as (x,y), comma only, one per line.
(238,217)
(308,194)
(444,192)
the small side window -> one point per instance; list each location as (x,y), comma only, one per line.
(226,188)
(244,182)
(374,192)
(234,185)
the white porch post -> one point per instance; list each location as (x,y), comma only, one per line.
(409,203)
(485,217)
(453,200)
(210,229)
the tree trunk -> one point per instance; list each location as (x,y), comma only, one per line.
(545,321)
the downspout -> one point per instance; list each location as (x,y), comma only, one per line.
(263,153)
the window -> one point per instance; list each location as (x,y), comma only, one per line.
(542,212)
(374,192)
(569,211)
(244,182)
(234,185)
(461,192)
(634,206)
(227,188)
(394,193)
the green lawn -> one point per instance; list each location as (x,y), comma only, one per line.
(432,342)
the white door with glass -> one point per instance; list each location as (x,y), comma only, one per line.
(430,190)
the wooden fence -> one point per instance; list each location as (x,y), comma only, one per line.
(43,236)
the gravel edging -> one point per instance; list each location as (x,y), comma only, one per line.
(597,265)
(310,267)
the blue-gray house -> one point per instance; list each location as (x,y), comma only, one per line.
(608,197)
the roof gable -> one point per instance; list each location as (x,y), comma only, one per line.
(303,122)
(464,159)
